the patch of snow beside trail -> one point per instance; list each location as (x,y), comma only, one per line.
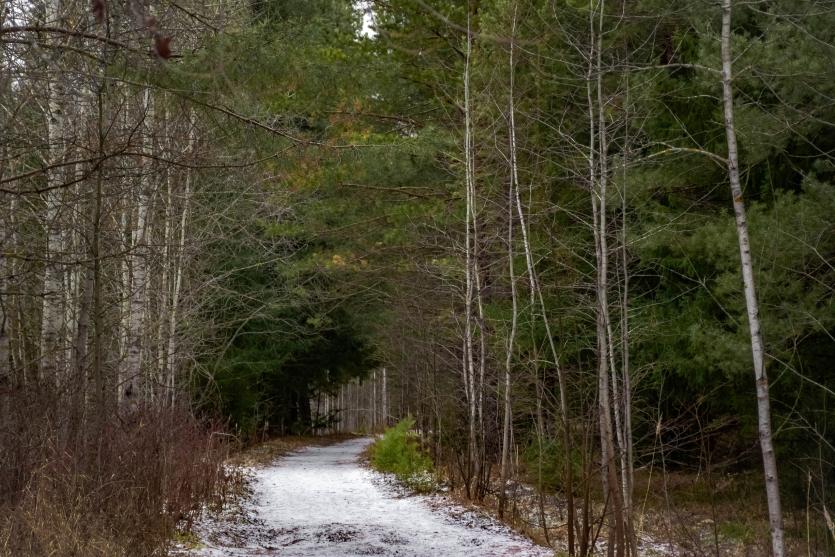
(322,502)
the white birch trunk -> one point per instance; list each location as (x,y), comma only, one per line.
(507,420)
(469,363)
(772,487)
(478,386)
(164,310)
(51,310)
(171,360)
(628,460)
(537,296)
(374,400)
(513,186)
(598,176)
(132,383)
(617,442)
(385,401)
(13,314)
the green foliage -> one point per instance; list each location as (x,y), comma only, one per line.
(365,248)
(737,531)
(281,330)
(398,452)
(545,464)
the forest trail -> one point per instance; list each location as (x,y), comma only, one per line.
(321,501)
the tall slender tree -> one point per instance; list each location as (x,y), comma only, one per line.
(772,486)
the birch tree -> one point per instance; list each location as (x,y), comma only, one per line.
(471,292)
(511,202)
(52,318)
(132,383)
(598,155)
(772,486)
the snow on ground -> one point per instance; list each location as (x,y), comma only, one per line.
(322,502)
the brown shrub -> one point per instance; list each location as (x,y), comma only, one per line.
(103,487)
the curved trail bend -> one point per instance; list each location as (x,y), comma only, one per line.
(322,502)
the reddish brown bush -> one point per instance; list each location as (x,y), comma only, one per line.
(92,486)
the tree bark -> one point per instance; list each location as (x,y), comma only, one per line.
(507,421)
(628,459)
(132,384)
(772,486)
(469,359)
(385,400)
(5,306)
(598,180)
(52,314)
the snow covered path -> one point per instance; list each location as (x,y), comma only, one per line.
(322,502)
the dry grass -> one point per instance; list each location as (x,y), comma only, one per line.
(105,488)
(677,513)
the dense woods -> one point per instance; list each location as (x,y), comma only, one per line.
(586,246)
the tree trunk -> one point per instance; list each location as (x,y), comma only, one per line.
(469,359)
(103,394)
(6,235)
(628,459)
(132,384)
(374,400)
(385,401)
(51,312)
(507,421)
(598,180)
(772,487)
(5,306)
(179,259)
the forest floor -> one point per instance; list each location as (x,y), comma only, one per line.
(321,501)
(678,514)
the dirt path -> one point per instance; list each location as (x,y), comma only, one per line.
(322,501)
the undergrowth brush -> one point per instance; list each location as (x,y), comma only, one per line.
(96,486)
(398,452)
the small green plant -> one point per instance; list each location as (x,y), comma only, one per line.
(734,530)
(397,452)
(187,539)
